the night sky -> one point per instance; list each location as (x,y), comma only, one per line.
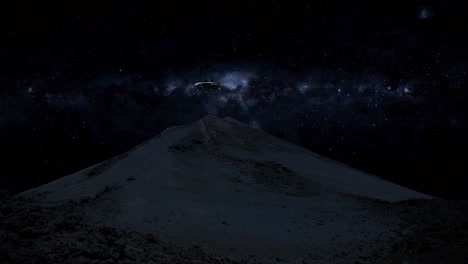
(379,85)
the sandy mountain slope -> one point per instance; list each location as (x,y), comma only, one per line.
(237,193)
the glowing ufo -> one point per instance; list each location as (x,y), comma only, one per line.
(207,85)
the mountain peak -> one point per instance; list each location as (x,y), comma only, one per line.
(209,117)
(209,121)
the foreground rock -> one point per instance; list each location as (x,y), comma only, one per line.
(33,234)
(431,231)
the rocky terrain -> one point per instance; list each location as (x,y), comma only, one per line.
(34,234)
(431,232)
(218,191)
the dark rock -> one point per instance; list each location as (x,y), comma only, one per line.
(115,255)
(131,178)
(150,238)
(6,210)
(31,232)
(83,260)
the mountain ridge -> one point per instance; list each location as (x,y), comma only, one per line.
(223,185)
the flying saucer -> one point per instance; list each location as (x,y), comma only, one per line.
(207,86)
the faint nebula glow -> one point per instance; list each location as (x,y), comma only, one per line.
(234,80)
(303,87)
(425,13)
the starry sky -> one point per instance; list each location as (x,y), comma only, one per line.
(379,85)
